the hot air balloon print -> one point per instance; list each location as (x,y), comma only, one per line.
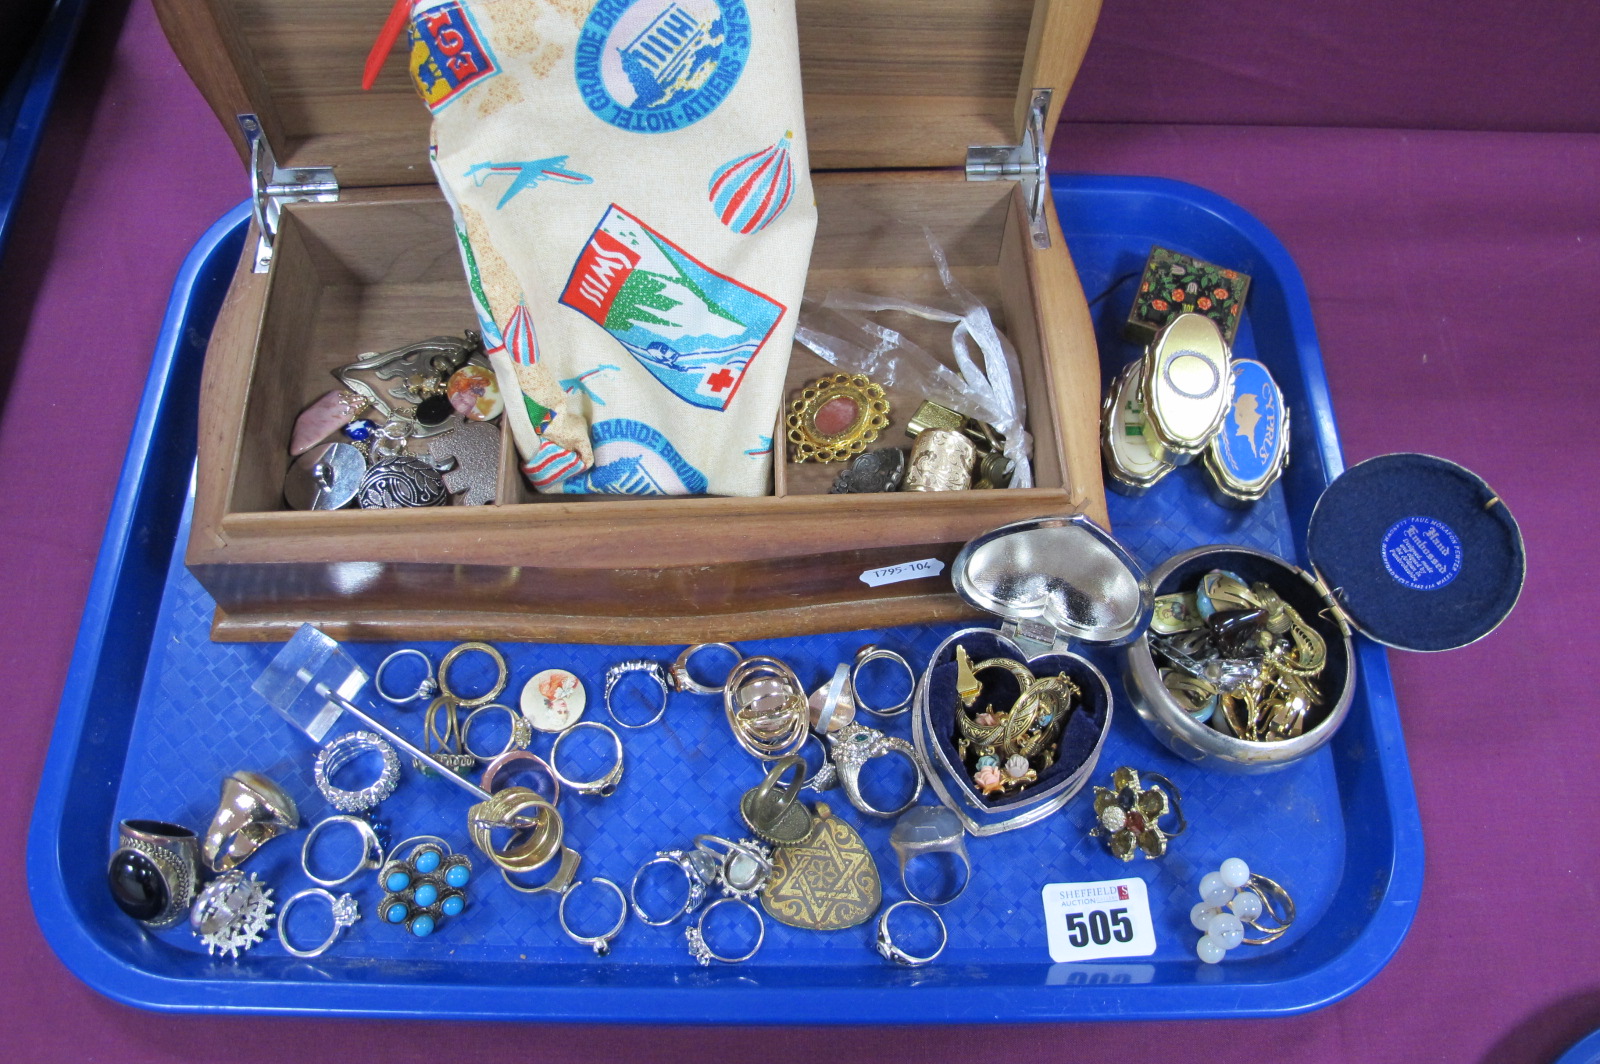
(750,192)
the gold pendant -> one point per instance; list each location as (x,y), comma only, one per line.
(827,883)
(836,417)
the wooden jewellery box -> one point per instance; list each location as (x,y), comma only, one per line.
(360,256)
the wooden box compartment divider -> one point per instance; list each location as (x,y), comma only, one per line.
(380,268)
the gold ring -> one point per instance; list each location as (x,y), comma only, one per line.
(505,810)
(480,700)
(1262,887)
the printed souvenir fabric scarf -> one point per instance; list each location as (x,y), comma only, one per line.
(634,208)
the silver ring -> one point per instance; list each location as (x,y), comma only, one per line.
(886,948)
(561,880)
(345,914)
(699,875)
(683,681)
(744,867)
(614,675)
(425,688)
(853,746)
(700,951)
(604,786)
(371,849)
(826,778)
(601,944)
(342,751)
(930,829)
(521,732)
(870,653)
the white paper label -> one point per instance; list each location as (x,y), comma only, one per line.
(904,571)
(1087,921)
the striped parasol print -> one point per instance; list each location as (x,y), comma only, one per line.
(750,192)
(519,337)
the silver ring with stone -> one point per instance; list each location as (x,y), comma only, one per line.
(605,785)
(342,751)
(345,914)
(371,849)
(826,778)
(425,687)
(683,681)
(521,731)
(925,830)
(696,935)
(868,654)
(699,871)
(884,942)
(155,871)
(853,746)
(654,670)
(601,944)
(745,866)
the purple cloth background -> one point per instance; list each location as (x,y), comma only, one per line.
(1452,276)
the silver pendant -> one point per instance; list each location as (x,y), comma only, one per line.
(879,470)
(474,448)
(400,482)
(325,477)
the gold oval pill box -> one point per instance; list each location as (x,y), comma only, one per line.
(1134,459)
(1186,386)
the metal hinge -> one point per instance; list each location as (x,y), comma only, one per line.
(271,187)
(1026,162)
(1034,637)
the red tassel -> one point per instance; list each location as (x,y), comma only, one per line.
(385,42)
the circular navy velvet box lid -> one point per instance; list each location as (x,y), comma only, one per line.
(1420,552)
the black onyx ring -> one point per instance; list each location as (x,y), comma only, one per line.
(154,872)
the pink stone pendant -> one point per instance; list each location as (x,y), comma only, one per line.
(323,418)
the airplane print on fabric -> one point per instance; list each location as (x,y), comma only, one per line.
(694,329)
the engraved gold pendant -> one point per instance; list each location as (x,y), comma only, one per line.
(826,883)
(836,417)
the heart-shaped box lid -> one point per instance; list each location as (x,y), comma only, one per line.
(1053,580)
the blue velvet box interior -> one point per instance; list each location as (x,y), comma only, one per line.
(1421,553)
(1294,589)
(1084,728)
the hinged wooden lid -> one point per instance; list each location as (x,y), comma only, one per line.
(889,83)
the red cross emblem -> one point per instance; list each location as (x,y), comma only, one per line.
(720,379)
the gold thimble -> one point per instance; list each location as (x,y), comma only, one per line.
(941,460)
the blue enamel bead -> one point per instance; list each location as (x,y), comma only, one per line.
(453,905)
(360,430)
(422,926)
(427,894)
(458,875)
(428,860)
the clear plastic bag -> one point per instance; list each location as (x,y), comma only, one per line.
(839,331)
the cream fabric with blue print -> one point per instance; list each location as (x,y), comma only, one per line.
(635,213)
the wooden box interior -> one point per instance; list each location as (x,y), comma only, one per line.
(356,277)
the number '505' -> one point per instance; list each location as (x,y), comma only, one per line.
(1100,928)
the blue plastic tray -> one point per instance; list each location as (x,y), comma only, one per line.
(154,715)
